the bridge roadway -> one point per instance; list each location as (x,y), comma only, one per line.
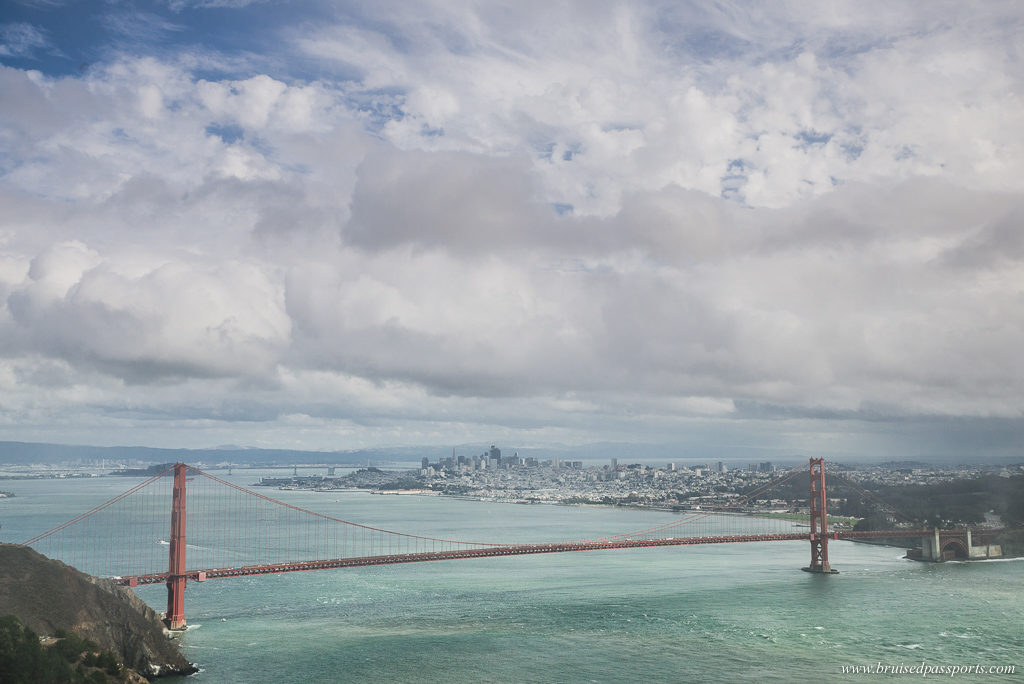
(492,551)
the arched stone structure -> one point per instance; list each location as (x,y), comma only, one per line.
(953,548)
(943,545)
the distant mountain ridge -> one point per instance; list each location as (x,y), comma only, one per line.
(26,453)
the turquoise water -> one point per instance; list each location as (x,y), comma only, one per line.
(741,612)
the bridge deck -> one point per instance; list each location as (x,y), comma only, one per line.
(492,551)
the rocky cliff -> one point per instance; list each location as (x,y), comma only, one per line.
(46,595)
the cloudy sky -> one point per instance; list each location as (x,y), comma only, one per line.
(735,228)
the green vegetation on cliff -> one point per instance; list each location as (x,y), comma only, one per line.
(70,659)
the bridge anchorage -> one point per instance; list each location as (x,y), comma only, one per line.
(236,532)
(945,545)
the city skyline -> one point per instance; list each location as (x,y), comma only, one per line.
(738,230)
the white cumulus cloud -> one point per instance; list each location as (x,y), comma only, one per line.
(567,222)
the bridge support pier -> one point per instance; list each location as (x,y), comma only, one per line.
(176,578)
(819,521)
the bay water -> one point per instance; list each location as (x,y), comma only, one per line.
(736,612)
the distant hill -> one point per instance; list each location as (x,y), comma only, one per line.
(904,465)
(27,453)
(47,596)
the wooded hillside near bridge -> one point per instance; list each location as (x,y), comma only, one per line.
(962,501)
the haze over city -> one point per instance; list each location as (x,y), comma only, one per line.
(736,229)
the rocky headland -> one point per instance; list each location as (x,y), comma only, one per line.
(47,595)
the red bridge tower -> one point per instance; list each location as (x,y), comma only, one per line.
(819,521)
(176,567)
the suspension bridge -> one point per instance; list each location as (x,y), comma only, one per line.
(218,529)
